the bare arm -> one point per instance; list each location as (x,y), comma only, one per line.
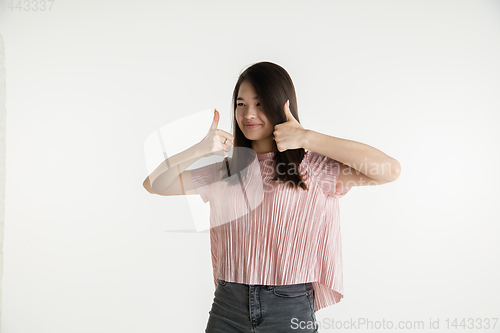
(170,169)
(376,167)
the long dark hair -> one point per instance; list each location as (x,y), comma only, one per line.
(274,87)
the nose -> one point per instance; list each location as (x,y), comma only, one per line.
(251,112)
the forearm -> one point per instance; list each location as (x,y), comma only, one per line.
(168,170)
(366,159)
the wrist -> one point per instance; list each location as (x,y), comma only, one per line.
(197,150)
(306,139)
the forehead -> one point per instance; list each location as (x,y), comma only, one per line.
(246,90)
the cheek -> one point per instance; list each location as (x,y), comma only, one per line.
(239,118)
(270,129)
(264,118)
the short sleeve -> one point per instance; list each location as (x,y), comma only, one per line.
(204,179)
(325,171)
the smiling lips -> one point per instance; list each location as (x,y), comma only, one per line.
(250,126)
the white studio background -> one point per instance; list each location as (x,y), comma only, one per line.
(88,249)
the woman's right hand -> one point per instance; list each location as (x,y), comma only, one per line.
(213,142)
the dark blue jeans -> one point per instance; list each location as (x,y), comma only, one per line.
(244,308)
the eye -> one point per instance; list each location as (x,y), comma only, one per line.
(238,104)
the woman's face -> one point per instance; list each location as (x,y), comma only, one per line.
(249,110)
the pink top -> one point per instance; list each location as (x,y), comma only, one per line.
(291,236)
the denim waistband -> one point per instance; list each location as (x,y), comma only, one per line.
(307,284)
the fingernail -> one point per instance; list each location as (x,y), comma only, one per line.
(215,110)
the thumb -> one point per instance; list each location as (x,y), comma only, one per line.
(288,113)
(215,122)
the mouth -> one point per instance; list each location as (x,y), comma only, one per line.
(252,126)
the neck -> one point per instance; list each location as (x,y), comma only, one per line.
(264,146)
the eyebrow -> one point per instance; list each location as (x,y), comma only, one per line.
(241,99)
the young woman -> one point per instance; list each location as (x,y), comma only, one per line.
(276,253)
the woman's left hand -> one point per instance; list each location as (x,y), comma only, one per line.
(290,134)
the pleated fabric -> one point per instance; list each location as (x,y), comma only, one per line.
(267,233)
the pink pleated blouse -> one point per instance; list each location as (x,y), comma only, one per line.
(291,236)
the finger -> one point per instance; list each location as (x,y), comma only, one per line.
(227,135)
(225,142)
(221,149)
(215,122)
(224,135)
(226,146)
(226,149)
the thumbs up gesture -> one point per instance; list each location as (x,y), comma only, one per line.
(216,141)
(290,134)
